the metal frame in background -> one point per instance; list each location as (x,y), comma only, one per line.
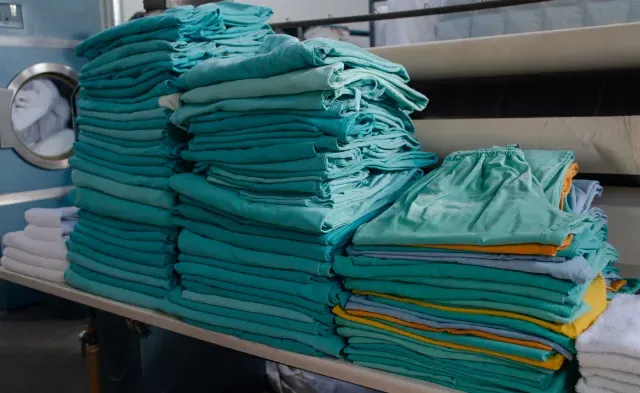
(373,17)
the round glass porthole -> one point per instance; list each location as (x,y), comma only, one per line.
(41,114)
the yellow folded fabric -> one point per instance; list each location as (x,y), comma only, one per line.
(553,363)
(596,297)
(520,249)
(616,285)
(572,171)
(459,332)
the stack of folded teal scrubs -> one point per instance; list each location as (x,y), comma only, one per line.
(125,244)
(481,276)
(293,149)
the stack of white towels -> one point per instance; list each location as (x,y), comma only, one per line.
(609,352)
(40,250)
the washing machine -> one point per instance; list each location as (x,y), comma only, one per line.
(38,74)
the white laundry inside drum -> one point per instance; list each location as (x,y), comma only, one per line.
(41,115)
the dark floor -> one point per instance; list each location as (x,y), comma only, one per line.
(40,352)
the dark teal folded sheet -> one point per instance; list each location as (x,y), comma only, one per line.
(118,283)
(159,183)
(126,226)
(157,247)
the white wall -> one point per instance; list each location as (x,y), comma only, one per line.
(311,9)
(130,7)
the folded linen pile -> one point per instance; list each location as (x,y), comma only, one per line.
(126,244)
(609,351)
(477,262)
(297,147)
(39,250)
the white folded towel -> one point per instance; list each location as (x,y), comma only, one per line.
(616,331)
(583,387)
(628,378)
(50,218)
(34,260)
(55,250)
(49,234)
(610,384)
(620,363)
(33,271)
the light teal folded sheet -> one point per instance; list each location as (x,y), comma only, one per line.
(286,275)
(113,207)
(308,219)
(192,23)
(550,168)
(488,320)
(144,258)
(133,230)
(135,245)
(103,154)
(112,292)
(151,103)
(159,171)
(197,245)
(313,310)
(277,246)
(165,273)
(118,273)
(114,124)
(158,113)
(237,14)
(197,211)
(157,183)
(280,343)
(328,293)
(542,309)
(146,196)
(482,197)
(331,345)
(312,327)
(373,85)
(119,283)
(281,54)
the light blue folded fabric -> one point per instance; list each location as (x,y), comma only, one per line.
(237,14)
(107,205)
(331,345)
(146,196)
(157,260)
(159,183)
(165,273)
(362,304)
(308,219)
(141,170)
(308,253)
(119,283)
(328,293)
(136,245)
(582,194)
(111,292)
(281,54)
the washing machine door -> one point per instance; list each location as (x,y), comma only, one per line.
(36,118)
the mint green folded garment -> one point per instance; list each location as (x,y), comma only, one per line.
(136,135)
(312,328)
(112,124)
(331,345)
(280,343)
(121,159)
(371,84)
(135,245)
(112,107)
(111,271)
(329,293)
(488,320)
(112,292)
(159,171)
(166,141)
(586,242)
(281,54)
(280,274)
(107,205)
(542,309)
(158,183)
(550,168)
(277,246)
(164,273)
(254,308)
(482,197)
(146,196)
(317,311)
(119,283)
(498,280)
(131,256)
(134,230)
(125,82)
(237,14)
(308,219)
(157,113)
(197,245)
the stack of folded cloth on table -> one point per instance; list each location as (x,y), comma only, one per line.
(609,351)
(476,278)
(293,150)
(126,244)
(39,250)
